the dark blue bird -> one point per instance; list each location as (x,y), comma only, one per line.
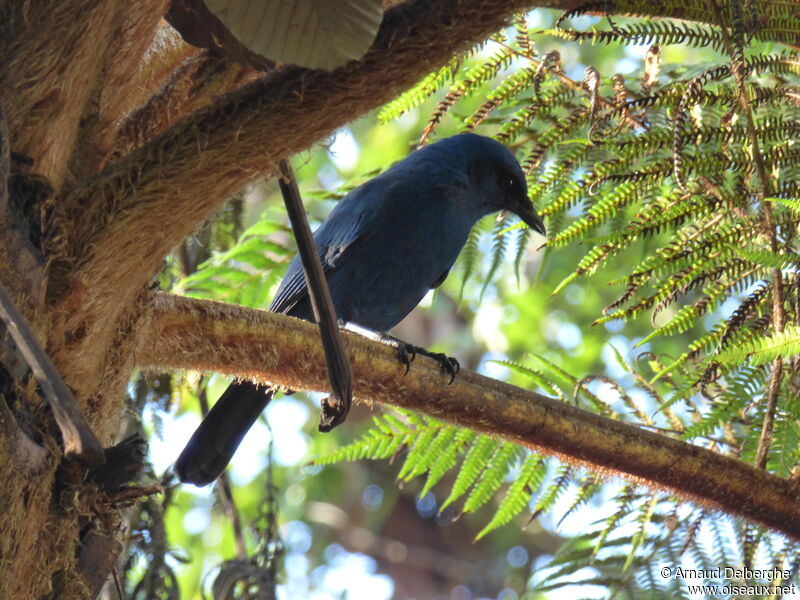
(382,248)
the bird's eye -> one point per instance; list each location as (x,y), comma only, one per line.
(506,183)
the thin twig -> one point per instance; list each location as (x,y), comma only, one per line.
(336,408)
(79,440)
(270,552)
(225,493)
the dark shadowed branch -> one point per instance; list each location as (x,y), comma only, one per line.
(203,335)
(341,377)
(79,441)
(96,559)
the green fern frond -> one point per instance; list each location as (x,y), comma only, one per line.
(784,345)
(554,491)
(690,249)
(563,377)
(664,33)
(475,462)
(595,258)
(599,213)
(589,488)
(425,449)
(523,236)
(623,502)
(570,195)
(743,312)
(379,442)
(767,258)
(645,516)
(415,96)
(508,89)
(704,343)
(244,273)
(499,248)
(559,172)
(687,316)
(531,475)
(447,459)
(560,132)
(499,466)
(785,63)
(542,106)
(523,39)
(538,378)
(482,73)
(790,203)
(785,450)
(469,258)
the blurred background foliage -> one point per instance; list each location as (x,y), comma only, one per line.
(362,529)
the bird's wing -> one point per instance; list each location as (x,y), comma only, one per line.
(354,220)
(291,290)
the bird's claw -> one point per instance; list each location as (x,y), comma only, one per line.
(406,353)
(447,364)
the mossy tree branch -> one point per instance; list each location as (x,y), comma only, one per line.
(203,335)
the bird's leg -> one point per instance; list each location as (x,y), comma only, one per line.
(406,353)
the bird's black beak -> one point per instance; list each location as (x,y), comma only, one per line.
(527,213)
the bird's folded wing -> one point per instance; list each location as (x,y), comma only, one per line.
(354,220)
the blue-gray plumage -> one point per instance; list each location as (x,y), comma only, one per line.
(382,248)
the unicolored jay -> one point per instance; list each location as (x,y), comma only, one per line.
(382,248)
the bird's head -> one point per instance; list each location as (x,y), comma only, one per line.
(496,180)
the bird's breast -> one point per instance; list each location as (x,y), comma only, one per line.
(395,272)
